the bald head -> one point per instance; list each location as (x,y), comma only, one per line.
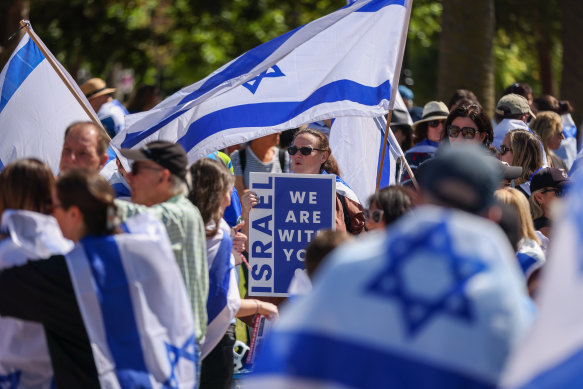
(85,147)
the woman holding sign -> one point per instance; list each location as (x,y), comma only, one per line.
(311,154)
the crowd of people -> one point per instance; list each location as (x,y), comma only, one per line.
(89,261)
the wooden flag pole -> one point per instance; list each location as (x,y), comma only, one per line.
(401,155)
(88,110)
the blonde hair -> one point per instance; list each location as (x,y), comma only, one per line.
(546,124)
(536,210)
(518,201)
(526,153)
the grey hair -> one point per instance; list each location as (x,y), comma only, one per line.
(179,186)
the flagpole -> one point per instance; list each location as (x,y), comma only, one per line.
(88,110)
(392,101)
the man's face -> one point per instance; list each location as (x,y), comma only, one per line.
(144,179)
(80,150)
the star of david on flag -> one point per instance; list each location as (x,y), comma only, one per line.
(436,301)
(286,89)
(431,251)
(253,84)
(175,354)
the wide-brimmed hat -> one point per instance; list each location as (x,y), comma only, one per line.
(434,110)
(95,87)
(513,104)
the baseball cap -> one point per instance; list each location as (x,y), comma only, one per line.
(513,104)
(463,177)
(549,177)
(509,172)
(169,155)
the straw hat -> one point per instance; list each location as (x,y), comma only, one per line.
(434,110)
(95,87)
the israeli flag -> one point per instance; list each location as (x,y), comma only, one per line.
(24,355)
(437,301)
(224,300)
(551,356)
(343,64)
(135,308)
(35,107)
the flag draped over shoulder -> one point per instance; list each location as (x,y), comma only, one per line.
(435,302)
(135,308)
(223,301)
(551,356)
(35,107)
(341,64)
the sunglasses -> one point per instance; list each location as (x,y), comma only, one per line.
(376,214)
(435,123)
(557,192)
(504,149)
(467,132)
(306,150)
(136,168)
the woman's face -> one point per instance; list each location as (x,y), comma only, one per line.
(65,219)
(226,201)
(374,218)
(506,153)
(464,130)
(546,198)
(435,129)
(556,138)
(308,164)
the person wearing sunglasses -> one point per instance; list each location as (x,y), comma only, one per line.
(311,154)
(522,148)
(469,123)
(386,205)
(429,131)
(547,186)
(548,125)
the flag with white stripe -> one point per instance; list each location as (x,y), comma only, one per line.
(437,301)
(35,107)
(312,73)
(135,308)
(551,356)
(223,301)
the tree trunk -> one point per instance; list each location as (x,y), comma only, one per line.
(544,47)
(572,75)
(11,13)
(465,50)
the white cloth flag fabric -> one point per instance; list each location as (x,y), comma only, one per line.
(142,335)
(437,301)
(356,143)
(24,355)
(341,64)
(224,300)
(35,107)
(551,356)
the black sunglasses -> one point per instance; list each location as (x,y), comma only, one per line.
(467,132)
(558,192)
(504,149)
(376,214)
(136,167)
(435,123)
(306,150)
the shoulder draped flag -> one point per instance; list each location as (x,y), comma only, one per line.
(342,64)
(35,107)
(551,356)
(436,302)
(223,301)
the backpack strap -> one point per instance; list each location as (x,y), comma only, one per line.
(345,211)
(243,159)
(282,159)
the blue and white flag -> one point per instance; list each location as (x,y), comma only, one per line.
(35,107)
(437,301)
(224,300)
(24,355)
(359,156)
(343,64)
(551,356)
(135,308)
